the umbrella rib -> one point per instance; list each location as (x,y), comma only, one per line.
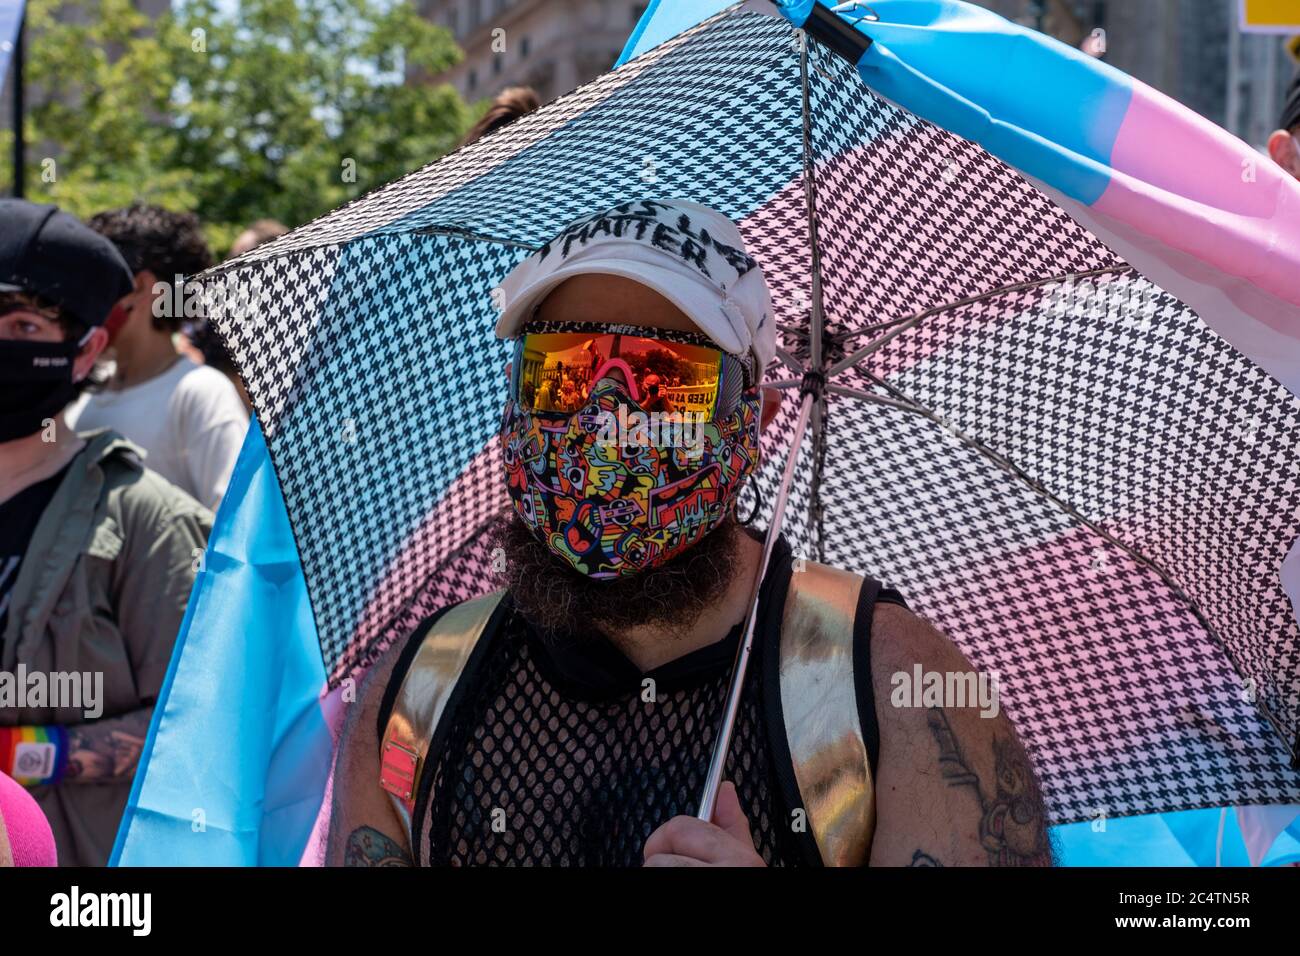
(790,362)
(1037,488)
(848,392)
(234,265)
(877,399)
(466,234)
(902,325)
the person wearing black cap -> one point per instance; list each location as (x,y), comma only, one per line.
(1284,144)
(97,553)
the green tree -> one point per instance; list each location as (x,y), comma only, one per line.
(268,108)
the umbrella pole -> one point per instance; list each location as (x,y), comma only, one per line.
(713,781)
(816,319)
(813,392)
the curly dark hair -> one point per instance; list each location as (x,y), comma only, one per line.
(73,330)
(166,243)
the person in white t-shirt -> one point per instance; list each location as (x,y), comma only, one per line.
(187,417)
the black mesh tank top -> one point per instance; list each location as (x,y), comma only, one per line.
(561,754)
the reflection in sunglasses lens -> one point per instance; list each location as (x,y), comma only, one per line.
(557,371)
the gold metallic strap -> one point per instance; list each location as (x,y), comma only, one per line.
(428,684)
(819,702)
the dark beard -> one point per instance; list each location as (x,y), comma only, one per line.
(557,599)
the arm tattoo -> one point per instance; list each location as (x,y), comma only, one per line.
(923,859)
(1013,826)
(368,847)
(107,749)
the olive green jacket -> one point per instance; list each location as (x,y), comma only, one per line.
(102,589)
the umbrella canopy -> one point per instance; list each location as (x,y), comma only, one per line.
(1080,480)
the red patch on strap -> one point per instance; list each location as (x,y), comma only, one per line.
(398,771)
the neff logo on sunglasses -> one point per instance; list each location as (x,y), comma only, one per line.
(652,222)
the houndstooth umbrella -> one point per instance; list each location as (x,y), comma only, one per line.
(1063,466)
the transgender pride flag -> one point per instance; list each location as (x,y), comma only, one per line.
(1128,568)
(1188,204)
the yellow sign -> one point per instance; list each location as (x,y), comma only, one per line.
(1270,16)
(692,398)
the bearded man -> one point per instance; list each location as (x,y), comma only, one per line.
(570,718)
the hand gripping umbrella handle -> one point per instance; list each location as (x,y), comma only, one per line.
(714,780)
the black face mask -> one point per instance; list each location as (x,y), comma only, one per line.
(35,384)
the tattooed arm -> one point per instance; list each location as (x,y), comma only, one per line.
(953,788)
(365,829)
(106,750)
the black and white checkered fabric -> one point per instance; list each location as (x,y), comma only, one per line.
(1092,496)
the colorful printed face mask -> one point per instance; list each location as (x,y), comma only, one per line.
(618,486)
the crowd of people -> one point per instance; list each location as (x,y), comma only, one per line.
(120,425)
(121,418)
(116,446)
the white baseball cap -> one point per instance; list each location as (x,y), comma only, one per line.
(692,255)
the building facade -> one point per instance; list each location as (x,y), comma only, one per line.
(1191,50)
(1195,52)
(556,45)
(1067,20)
(551,45)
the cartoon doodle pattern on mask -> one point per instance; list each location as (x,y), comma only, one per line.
(613,509)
